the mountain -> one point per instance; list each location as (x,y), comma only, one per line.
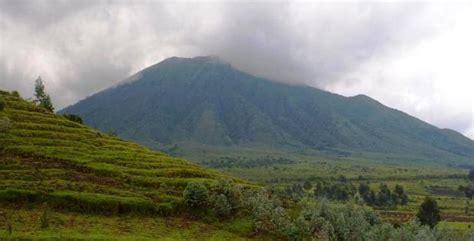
(183,102)
(46,158)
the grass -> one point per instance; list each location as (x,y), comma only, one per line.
(64,180)
(26,224)
(419,179)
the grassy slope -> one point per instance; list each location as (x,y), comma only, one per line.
(66,225)
(46,158)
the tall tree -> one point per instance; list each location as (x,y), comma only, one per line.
(429,213)
(42,99)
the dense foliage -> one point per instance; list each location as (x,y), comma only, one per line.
(242,162)
(344,191)
(429,213)
(470,176)
(195,195)
(310,219)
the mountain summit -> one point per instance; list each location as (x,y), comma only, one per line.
(205,101)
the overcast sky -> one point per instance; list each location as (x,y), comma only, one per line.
(416,57)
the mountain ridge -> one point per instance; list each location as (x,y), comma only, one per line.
(206,101)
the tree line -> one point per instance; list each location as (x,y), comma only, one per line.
(310,219)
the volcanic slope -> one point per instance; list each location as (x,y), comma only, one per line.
(202,101)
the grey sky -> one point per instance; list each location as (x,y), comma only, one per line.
(411,56)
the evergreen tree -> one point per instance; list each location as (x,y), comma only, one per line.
(42,99)
(429,213)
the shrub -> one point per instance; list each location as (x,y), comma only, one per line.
(73,117)
(222,206)
(195,195)
(429,213)
(232,193)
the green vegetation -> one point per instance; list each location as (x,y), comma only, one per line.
(42,99)
(181,103)
(59,169)
(429,213)
(62,180)
(25,224)
(73,117)
(195,195)
(2,104)
(291,137)
(344,191)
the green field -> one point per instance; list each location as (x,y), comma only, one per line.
(25,223)
(420,178)
(60,179)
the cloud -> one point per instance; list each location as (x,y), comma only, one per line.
(412,56)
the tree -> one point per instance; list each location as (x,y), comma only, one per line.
(195,195)
(42,99)
(402,197)
(470,176)
(429,213)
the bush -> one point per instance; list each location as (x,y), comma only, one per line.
(196,195)
(429,213)
(222,206)
(73,117)
(232,193)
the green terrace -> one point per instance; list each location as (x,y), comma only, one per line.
(46,158)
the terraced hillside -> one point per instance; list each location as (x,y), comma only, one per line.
(45,157)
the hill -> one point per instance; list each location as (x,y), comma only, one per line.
(48,158)
(203,103)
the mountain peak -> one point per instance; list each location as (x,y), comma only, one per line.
(200,101)
(211,59)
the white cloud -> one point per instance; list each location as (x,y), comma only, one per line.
(412,56)
(433,80)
